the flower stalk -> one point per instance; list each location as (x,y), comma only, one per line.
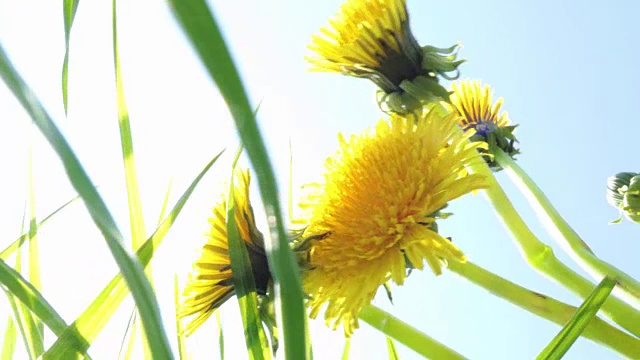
(548,308)
(406,334)
(564,235)
(540,256)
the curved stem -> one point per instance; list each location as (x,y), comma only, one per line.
(564,235)
(548,308)
(540,256)
(406,334)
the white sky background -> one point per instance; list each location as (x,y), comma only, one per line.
(179,122)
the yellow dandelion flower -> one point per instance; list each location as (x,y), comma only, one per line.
(211,281)
(474,104)
(372,39)
(375,213)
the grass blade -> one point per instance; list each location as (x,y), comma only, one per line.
(583,316)
(97,314)
(9,340)
(129,338)
(220,334)
(130,268)
(34,259)
(136,219)
(391,350)
(203,32)
(243,279)
(9,250)
(182,346)
(69,8)
(347,347)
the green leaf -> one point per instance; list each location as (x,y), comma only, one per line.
(9,250)
(182,346)
(28,295)
(94,318)
(391,350)
(9,340)
(579,321)
(220,334)
(34,260)
(243,281)
(130,268)
(69,13)
(203,32)
(136,218)
(347,347)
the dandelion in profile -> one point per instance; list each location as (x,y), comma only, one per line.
(372,39)
(375,213)
(473,103)
(211,281)
(623,193)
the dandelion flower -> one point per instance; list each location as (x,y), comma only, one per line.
(374,215)
(623,193)
(211,281)
(372,39)
(473,103)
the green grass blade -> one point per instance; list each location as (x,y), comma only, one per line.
(583,316)
(28,295)
(182,346)
(244,282)
(201,29)
(9,250)
(347,347)
(129,338)
(34,259)
(132,271)
(391,350)
(97,314)
(220,334)
(69,8)
(9,340)
(21,313)
(136,218)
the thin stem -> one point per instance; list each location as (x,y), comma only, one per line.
(540,256)
(564,235)
(406,334)
(548,308)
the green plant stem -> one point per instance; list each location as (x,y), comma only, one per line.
(540,256)
(564,235)
(548,308)
(406,334)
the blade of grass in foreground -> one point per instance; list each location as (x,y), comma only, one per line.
(347,347)
(34,257)
(574,328)
(203,32)
(9,250)
(136,219)
(243,280)
(94,318)
(220,334)
(69,8)
(132,271)
(9,340)
(182,346)
(391,350)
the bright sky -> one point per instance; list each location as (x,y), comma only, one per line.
(568,73)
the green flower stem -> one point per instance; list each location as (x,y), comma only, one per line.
(548,308)
(564,234)
(406,334)
(540,256)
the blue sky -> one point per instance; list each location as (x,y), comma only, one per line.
(567,72)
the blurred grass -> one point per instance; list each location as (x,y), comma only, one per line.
(69,8)
(197,21)
(562,342)
(9,339)
(130,268)
(34,261)
(97,314)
